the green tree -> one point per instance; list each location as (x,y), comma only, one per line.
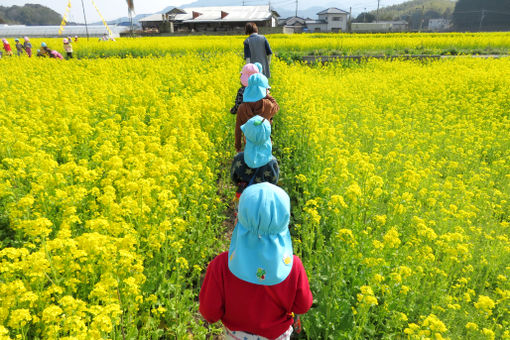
(30,14)
(482,14)
(365,17)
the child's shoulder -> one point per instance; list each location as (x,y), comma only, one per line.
(220,260)
(298,264)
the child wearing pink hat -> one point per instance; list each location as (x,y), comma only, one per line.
(246,72)
(7,47)
(27,46)
(68,48)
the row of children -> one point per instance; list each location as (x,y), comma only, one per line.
(20,48)
(259,286)
(44,51)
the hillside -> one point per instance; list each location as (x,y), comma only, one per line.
(417,12)
(29,14)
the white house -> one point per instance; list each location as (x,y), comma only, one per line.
(330,20)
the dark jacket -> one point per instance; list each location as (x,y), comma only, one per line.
(243,176)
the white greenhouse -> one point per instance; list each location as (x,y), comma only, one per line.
(15,31)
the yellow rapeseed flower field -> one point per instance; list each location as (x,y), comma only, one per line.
(109,207)
(285,45)
(400,176)
(112,194)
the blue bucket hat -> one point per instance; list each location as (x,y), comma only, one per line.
(257,151)
(261,248)
(256,89)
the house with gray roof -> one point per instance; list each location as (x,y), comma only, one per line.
(330,20)
(220,18)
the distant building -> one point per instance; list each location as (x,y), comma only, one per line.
(380,27)
(200,19)
(330,20)
(293,25)
(437,25)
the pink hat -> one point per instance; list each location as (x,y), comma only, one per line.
(5,41)
(247,71)
(26,39)
(66,41)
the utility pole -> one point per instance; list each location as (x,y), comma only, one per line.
(131,23)
(243,2)
(377,19)
(481,19)
(85,18)
(422,15)
(350,19)
(296,7)
(365,15)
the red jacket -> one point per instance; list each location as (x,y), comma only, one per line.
(244,306)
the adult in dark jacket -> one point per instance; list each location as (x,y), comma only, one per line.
(257,49)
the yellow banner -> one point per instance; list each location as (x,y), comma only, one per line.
(64,18)
(101,16)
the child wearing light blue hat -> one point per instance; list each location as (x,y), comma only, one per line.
(258,285)
(256,101)
(257,163)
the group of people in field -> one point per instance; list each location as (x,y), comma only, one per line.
(259,287)
(44,51)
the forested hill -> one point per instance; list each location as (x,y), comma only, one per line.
(29,14)
(428,8)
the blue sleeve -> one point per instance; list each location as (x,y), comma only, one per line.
(247,53)
(268,48)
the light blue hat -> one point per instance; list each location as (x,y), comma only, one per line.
(257,151)
(256,89)
(261,248)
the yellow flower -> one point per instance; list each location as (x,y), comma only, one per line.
(485,303)
(353,191)
(489,334)
(434,324)
(366,297)
(471,326)
(391,238)
(19,318)
(183,263)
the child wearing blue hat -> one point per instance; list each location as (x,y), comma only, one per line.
(257,286)
(19,47)
(256,101)
(246,72)
(257,163)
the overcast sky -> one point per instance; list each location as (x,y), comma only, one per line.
(113,9)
